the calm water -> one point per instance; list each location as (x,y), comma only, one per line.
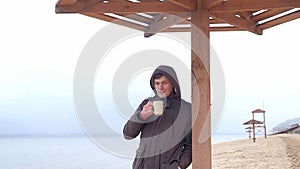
(217,138)
(66,153)
(56,153)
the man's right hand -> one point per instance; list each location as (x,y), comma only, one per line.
(147,111)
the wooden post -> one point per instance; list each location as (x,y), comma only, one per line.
(249,132)
(253,127)
(201,88)
(265,129)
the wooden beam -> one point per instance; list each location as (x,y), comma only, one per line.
(74,7)
(66,2)
(201,132)
(115,20)
(280,20)
(212,3)
(232,19)
(187,4)
(185,22)
(137,17)
(177,30)
(216,21)
(211,29)
(246,15)
(162,24)
(252,5)
(226,28)
(268,14)
(130,7)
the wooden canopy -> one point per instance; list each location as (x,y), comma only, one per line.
(158,15)
(258,111)
(153,16)
(252,121)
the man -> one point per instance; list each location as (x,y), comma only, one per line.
(166,140)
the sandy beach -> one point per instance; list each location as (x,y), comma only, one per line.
(275,152)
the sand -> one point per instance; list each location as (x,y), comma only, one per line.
(275,152)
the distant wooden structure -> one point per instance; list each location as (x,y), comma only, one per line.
(257,124)
(154,16)
(263,112)
(254,124)
(249,130)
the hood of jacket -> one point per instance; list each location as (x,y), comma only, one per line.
(170,73)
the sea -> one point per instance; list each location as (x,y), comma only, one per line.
(69,152)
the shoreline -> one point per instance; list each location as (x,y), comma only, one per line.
(276,152)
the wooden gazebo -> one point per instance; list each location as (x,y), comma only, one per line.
(153,16)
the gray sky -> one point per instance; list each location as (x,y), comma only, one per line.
(40,50)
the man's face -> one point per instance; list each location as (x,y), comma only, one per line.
(163,87)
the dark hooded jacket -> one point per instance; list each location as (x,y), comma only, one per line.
(165,141)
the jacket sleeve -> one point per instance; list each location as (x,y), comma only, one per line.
(186,156)
(135,124)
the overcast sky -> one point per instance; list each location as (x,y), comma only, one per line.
(40,49)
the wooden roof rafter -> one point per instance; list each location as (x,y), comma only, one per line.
(124,6)
(253,5)
(280,19)
(225,15)
(73,6)
(164,22)
(263,14)
(107,17)
(138,17)
(188,4)
(213,3)
(235,19)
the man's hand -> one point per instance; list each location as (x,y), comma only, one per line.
(147,111)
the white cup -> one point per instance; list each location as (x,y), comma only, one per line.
(158,107)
